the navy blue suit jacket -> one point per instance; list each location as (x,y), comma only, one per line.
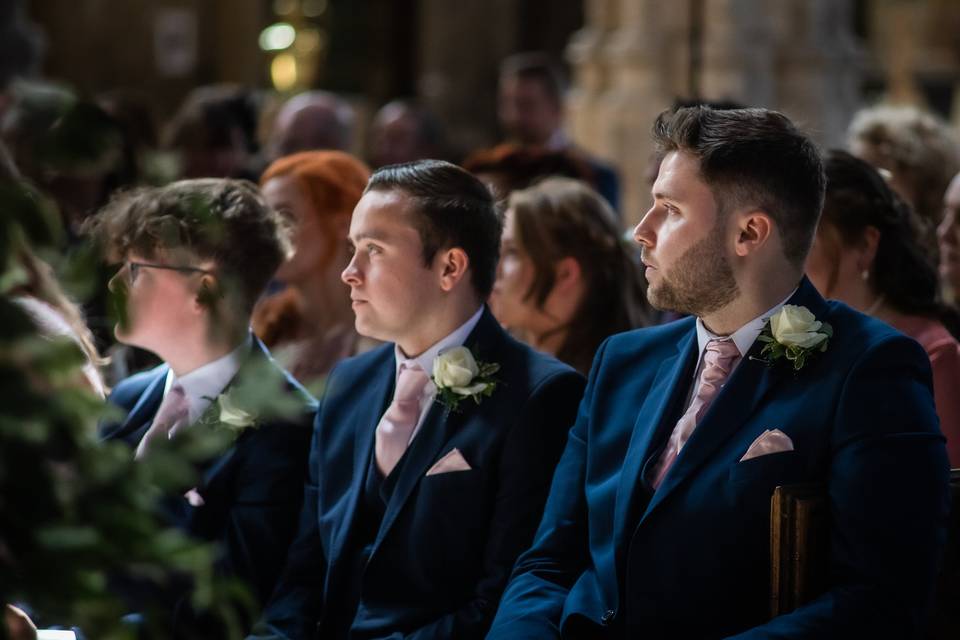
(613,558)
(447,542)
(252,491)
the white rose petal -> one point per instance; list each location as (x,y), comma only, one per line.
(469,391)
(802,340)
(455,368)
(233,415)
(793,321)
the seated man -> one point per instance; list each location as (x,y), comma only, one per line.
(658,520)
(431,455)
(195,256)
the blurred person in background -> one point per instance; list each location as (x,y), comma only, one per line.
(41,297)
(311,121)
(213,133)
(566,279)
(403,131)
(948,239)
(530,108)
(867,252)
(917,150)
(508,167)
(309,325)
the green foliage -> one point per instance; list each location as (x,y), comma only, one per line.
(78,516)
(797,356)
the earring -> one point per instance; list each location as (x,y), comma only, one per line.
(865,275)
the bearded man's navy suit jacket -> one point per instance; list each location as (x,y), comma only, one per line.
(442,553)
(614,558)
(252,491)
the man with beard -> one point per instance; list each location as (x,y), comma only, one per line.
(657,523)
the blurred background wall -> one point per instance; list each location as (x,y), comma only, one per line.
(817,60)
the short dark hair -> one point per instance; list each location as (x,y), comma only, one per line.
(454,209)
(223,220)
(538,66)
(752,157)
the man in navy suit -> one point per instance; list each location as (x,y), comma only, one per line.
(195,256)
(432,455)
(657,525)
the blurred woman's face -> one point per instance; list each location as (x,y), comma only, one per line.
(514,276)
(284,194)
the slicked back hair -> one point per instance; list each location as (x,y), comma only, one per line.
(752,158)
(452,208)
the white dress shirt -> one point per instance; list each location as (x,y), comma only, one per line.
(202,385)
(425,362)
(744,337)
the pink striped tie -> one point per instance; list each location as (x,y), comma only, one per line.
(173,410)
(718,360)
(397,424)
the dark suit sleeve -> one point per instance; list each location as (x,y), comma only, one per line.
(261,520)
(534,599)
(527,464)
(888,492)
(294,609)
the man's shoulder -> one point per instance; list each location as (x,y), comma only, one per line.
(649,341)
(857,335)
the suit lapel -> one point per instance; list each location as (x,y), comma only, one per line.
(749,384)
(370,408)
(141,415)
(669,385)
(440,424)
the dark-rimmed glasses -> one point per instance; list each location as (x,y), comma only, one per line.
(133,268)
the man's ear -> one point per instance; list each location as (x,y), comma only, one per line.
(208,291)
(568,274)
(453,264)
(754,230)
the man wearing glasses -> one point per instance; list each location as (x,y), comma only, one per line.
(194,257)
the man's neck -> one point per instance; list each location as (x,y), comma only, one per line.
(191,354)
(440,325)
(752,302)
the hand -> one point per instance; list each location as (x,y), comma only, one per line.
(19,625)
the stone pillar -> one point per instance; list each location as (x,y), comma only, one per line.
(630,61)
(738,57)
(818,67)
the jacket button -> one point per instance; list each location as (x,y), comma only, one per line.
(607,617)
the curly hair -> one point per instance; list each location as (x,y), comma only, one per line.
(223,220)
(918,146)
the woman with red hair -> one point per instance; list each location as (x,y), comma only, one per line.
(309,324)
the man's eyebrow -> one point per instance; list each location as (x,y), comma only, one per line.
(371,235)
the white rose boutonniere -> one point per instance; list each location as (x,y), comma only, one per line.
(793,333)
(232,415)
(458,375)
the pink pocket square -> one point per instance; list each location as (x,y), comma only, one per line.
(194,498)
(453,461)
(770,441)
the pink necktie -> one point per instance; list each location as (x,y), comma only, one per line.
(397,424)
(718,360)
(174,409)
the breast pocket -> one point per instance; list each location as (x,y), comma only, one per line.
(771,470)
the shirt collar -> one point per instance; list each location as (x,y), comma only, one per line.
(204,384)
(454,339)
(745,336)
